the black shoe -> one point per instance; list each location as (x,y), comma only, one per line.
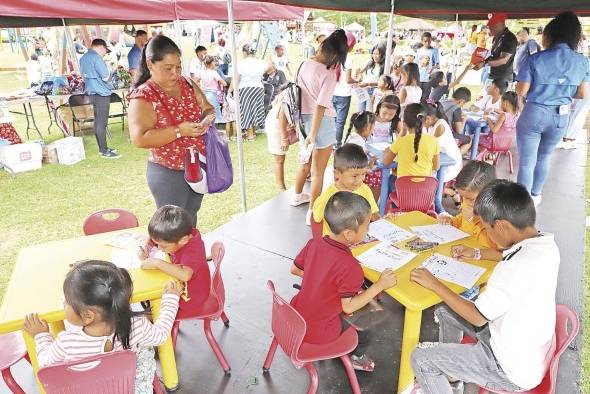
(113,150)
(110,155)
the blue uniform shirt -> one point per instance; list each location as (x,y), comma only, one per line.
(94,70)
(554,75)
(133,57)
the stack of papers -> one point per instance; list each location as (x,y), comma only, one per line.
(128,241)
(439,233)
(384,256)
(454,271)
(385,231)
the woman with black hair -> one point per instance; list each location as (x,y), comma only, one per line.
(548,81)
(317,79)
(372,71)
(167,115)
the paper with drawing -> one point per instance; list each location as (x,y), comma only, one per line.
(384,256)
(454,271)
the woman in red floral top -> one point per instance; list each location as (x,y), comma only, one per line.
(167,115)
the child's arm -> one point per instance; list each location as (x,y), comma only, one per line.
(155,334)
(440,130)
(386,280)
(462,252)
(283,129)
(296,271)
(180,272)
(458,80)
(388,156)
(495,126)
(299,262)
(49,351)
(436,162)
(403,95)
(464,308)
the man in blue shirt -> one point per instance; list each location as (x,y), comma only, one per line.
(134,55)
(98,87)
(527,47)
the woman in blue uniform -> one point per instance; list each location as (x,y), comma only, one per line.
(548,81)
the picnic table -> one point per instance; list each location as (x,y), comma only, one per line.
(36,286)
(414,297)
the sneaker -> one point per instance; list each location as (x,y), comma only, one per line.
(427,345)
(537,200)
(298,199)
(110,155)
(308,217)
(362,363)
(112,150)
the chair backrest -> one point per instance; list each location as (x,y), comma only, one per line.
(566,317)
(115,98)
(112,373)
(415,193)
(501,142)
(109,220)
(217,288)
(287,325)
(79,100)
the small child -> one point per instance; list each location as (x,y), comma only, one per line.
(416,154)
(97,307)
(350,167)
(387,120)
(363,124)
(171,230)
(513,320)
(396,75)
(425,69)
(505,125)
(411,92)
(277,136)
(211,83)
(384,88)
(333,278)
(457,118)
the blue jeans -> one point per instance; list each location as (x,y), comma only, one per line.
(538,131)
(342,106)
(475,128)
(362,106)
(485,72)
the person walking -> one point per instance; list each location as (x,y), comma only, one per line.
(134,55)
(97,78)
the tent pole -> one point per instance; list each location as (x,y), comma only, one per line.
(21,43)
(303,40)
(455,47)
(388,51)
(70,43)
(232,35)
(179,38)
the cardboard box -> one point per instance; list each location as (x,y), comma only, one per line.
(70,150)
(21,157)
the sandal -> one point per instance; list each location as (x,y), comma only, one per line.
(362,363)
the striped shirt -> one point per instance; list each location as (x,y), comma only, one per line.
(73,345)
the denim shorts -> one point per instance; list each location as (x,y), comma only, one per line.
(326,133)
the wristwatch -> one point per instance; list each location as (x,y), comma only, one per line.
(177,131)
(476,254)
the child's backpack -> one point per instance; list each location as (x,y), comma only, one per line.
(292,105)
(281,103)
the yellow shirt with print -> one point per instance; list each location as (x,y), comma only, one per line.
(319,205)
(404,149)
(474,227)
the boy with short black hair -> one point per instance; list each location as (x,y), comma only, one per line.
(171,230)
(333,278)
(513,320)
(350,166)
(456,117)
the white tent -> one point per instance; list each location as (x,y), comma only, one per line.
(354,27)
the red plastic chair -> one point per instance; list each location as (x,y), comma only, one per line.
(101,222)
(212,309)
(289,329)
(413,194)
(13,350)
(563,338)
(501,144)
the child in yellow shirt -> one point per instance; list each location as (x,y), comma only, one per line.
(350,166)
(417,154)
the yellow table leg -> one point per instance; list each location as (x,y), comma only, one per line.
(166,353)
(30,342)
(411,336)
(56,327)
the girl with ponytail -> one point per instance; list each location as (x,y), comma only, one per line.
(417,154)
(98,311)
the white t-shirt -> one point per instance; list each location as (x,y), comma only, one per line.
(486,103)
(372,74)
(196,66)
(519,302)
(413,95)
(251,71)
(33,71)
(343,89)
(280,62)
(448,145)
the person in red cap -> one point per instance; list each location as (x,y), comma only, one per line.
(503,50)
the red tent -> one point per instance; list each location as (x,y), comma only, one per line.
(32,13)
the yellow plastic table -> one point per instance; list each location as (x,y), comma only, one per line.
(414,297)
(36,286)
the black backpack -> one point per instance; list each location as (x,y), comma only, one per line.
(292,105)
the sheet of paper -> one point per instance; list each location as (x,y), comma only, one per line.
(454,271)
(440,233)
(384,256)
(362,94)
(125,258)
(386,231)
(128,240)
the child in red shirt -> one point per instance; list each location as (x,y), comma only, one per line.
(171,229)
(332,277)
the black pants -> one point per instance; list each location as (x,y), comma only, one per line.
(169,187)
(363,338)
(101,106)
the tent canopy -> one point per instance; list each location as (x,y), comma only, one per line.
(415,24)
(446,9)
(354,27)
(36,13)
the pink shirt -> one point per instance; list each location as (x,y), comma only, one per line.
(210,80)
(317,87)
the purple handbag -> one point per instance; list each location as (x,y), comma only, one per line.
(220,174)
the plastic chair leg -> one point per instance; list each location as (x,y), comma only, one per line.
(354,383)
(313,378)
(509,154)
(270,355)
(157,386)
(10,382)
(224,319)
(174,333)
(215,347)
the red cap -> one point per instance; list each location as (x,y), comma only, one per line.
(497,19)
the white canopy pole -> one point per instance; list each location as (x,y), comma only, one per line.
(388,51)
(232,35)
(455,47)
(303,41)
(178,34)
(71,46)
